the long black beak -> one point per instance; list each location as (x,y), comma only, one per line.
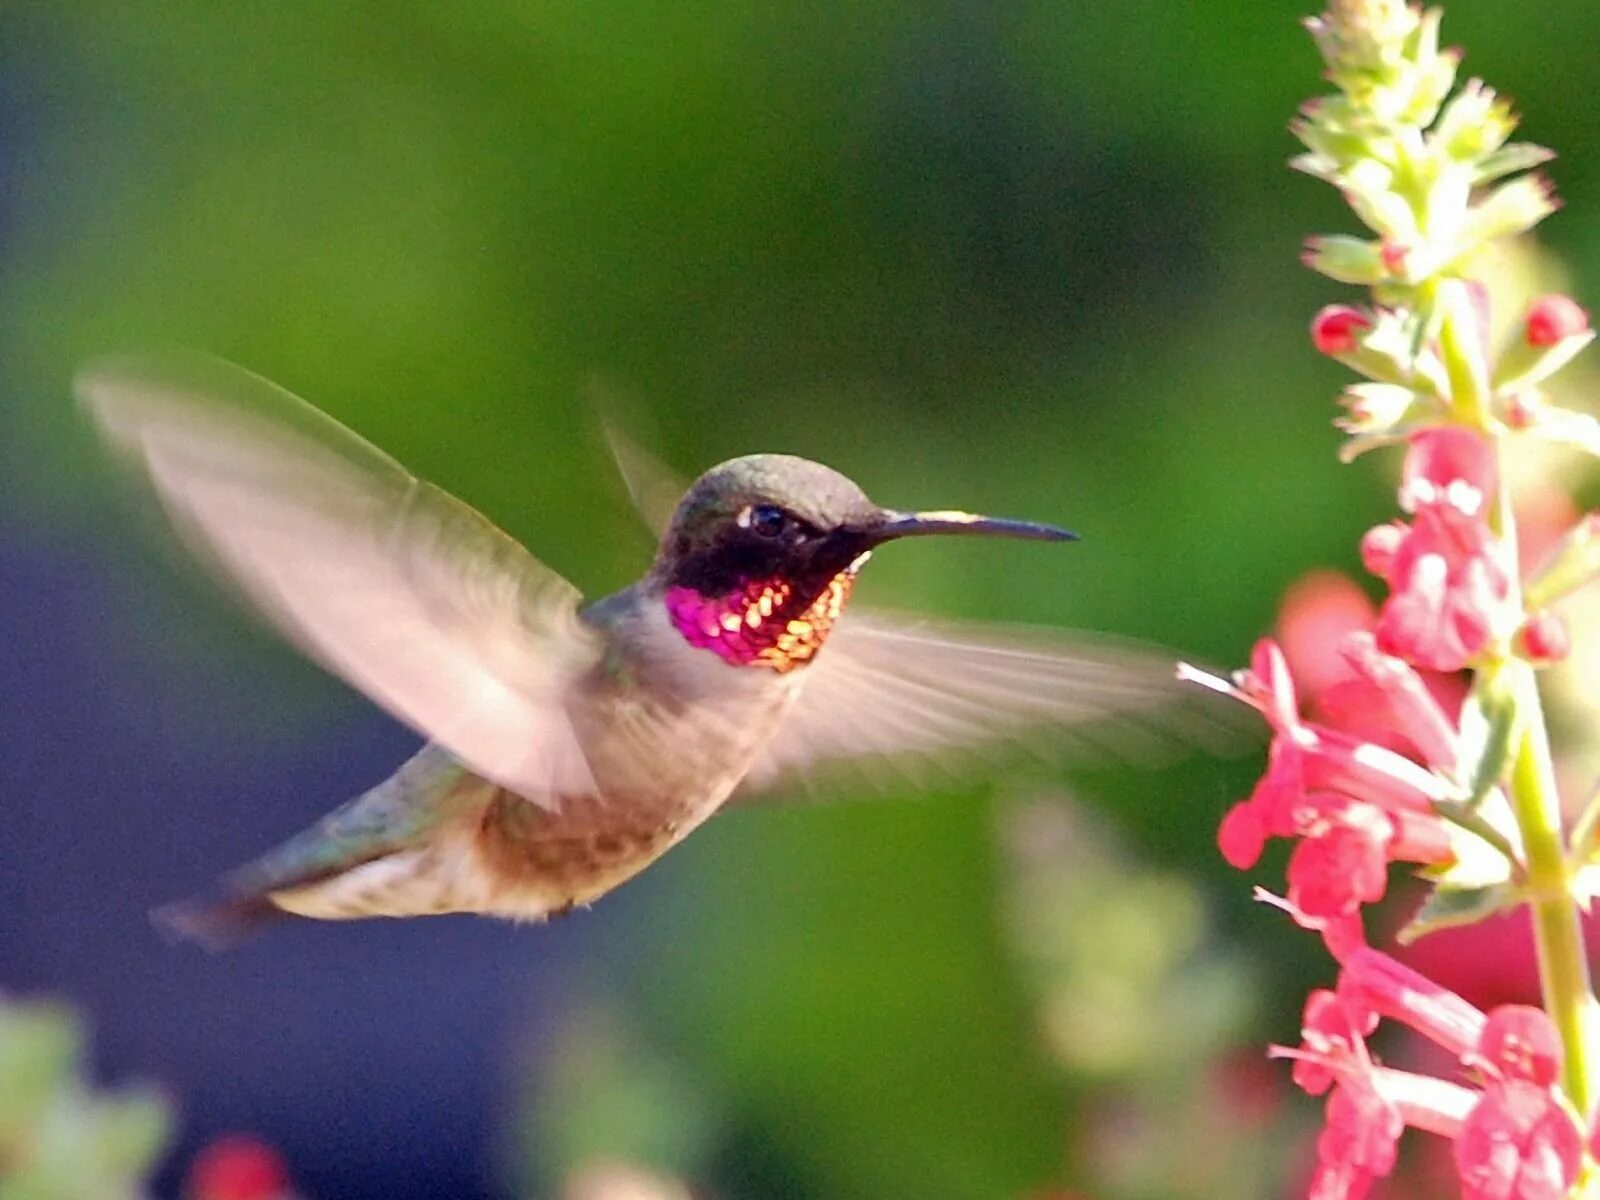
(914,524)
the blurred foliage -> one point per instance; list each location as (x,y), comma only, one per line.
(1033,258)
(60,1138)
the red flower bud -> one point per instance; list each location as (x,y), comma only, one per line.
(1544,638)
(1337,328)
(1552,318)
(1379,546)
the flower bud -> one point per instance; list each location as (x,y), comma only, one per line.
(1337,329)
(1379,546)
(1346,259)
(1552,318)
(1543,639)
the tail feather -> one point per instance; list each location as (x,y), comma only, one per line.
(402,812)
(216,923)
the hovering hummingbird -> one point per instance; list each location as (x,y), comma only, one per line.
(567,747)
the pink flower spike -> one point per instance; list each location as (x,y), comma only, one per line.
(1391,989)
(1337,329)
(1553,318)
(1544,638)
(1518,1143)
(1520,1041)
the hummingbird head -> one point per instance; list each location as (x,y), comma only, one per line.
(761,554)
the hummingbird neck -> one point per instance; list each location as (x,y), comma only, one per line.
(772,623)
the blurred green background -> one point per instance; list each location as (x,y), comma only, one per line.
(1030,258)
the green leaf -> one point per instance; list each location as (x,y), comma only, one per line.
(1488,724)
(1447,908)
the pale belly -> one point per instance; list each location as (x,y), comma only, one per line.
(663,759)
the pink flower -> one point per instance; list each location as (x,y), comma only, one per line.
(1518,1143)
(1450,581)
(1515,1139)
(1368,1106)
(1357,1146)
(1357,804)
(1552,318)
(1519,1041)
(1334,872)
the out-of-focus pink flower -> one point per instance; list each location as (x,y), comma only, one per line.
(1490,963)
(1449,579)
(237,1166)
(1337,328)
(1544,516)
(1247,1086)
(1318,612)
(1518,1143)
(1552,318)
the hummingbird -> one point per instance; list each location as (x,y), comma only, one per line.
(567,746)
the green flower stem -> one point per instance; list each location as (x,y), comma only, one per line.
(1557,928)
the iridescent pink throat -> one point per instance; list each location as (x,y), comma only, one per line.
(753,627)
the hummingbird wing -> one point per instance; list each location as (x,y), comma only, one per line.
(908,693)
(397,587)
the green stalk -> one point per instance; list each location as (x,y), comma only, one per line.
(1557,927)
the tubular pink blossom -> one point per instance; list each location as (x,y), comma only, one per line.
(1405,698)
(1391,989)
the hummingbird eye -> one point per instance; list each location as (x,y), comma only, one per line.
(767,520)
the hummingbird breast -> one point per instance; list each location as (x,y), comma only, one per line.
(667,731)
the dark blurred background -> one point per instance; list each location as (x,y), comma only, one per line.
(1030,258)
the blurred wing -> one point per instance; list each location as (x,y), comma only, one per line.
(654,487)
(906,693)
(402,590)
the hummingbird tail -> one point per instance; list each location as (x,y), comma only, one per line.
(216,923)
(353,862)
